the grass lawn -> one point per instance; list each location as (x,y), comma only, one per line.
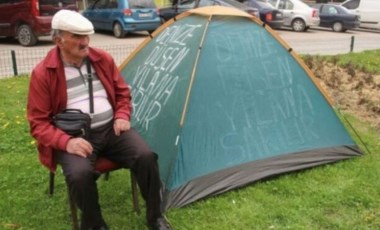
(344,195)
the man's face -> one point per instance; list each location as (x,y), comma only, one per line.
(74,47)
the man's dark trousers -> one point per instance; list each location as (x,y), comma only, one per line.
(130,151)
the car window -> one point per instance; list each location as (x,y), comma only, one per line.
(285,5)
(272,2)
(329,10)
(260,4)
(50,7)
(57,2)
(332,10)
(352,4)
(113,4)
(141,4)
(101,4)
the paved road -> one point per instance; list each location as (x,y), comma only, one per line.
(324,41)
(97,39)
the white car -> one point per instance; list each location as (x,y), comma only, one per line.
(368,10)
(297,14)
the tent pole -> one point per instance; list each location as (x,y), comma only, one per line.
(193,74)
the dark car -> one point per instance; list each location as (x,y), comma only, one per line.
(27,20)
(123,16)
(166,13)
(336,17)
(268,14)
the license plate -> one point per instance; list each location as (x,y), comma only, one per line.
(145,15)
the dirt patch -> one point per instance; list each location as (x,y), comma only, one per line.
(352,90)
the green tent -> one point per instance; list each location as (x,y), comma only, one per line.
(225,102)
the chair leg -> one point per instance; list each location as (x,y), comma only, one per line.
(73,210)
(73,207)
(106,175)
(51,183)
(135,198)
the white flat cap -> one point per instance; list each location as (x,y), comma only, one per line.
(72,22)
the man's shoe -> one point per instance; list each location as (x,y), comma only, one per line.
(160,224)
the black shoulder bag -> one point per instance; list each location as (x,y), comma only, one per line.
(73,121)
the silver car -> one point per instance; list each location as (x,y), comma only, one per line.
(297,15)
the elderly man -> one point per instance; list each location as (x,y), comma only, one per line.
(59,82)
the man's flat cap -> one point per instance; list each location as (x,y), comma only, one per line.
(72,22)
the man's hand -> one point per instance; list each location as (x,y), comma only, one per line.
(79,146)
(121,125)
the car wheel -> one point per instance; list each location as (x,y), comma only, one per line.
(25,36)
(298,25)
(118,30)
(337,27)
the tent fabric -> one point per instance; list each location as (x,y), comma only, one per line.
(225,102)
(238,176)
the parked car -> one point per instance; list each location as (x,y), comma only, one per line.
(297,15)
(167,13)
(336,17)
(268,13)
(123,16)
(368,10)
(26,20)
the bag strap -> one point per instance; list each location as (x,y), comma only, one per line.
(90,89)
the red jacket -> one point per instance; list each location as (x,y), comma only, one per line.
(48,96)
